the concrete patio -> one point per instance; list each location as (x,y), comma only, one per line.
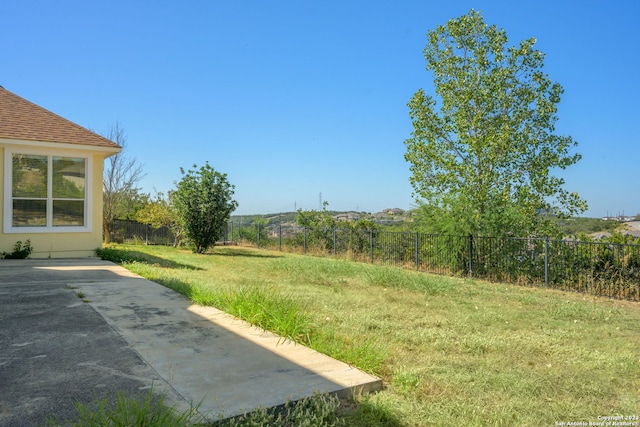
(82,329)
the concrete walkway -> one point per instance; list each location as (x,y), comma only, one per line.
(81,329)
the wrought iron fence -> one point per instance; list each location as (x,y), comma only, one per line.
(596,268)
(124,230)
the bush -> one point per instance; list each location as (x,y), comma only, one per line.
(203,203)
(19,251)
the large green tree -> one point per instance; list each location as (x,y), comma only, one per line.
(483,151)
(203,203)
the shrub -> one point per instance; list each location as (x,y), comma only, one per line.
(203,203)
(20,251)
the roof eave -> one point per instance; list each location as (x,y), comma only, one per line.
(106,150)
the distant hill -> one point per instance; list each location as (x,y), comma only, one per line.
(397,217)
(391,216)
(573,226)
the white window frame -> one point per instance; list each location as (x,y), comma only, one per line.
(8,191)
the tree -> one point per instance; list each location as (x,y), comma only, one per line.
(203,203)
(160,212)
(121,175)
(321,228)
(482,153)
(316,219)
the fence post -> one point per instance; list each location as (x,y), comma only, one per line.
(280,237)
(258,236)
(304,242)
(231,233)
(546,261)
(146,234)
(371,246)
(470,255)
(417,251)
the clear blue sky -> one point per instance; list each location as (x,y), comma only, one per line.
(296,98)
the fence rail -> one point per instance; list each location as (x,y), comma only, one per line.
(596,268)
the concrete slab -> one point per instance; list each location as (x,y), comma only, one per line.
(198,353)
(56,350)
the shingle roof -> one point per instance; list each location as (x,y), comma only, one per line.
(24,120)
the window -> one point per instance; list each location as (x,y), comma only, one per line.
(47,192)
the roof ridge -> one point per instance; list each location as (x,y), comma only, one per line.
(25,120)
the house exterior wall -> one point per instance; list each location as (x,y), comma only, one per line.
(61,244)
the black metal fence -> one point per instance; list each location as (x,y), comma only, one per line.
(124,230)
(591,267)
(596,268)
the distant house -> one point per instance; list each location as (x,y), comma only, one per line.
(394,211)
(50,181)
(347,216)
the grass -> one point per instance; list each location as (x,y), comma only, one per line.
(150,411)
(318,410)
(451,351)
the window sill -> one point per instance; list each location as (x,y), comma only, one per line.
(44,230)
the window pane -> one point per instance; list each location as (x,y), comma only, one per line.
(68,213)
(29,213)
(68,178)
(29,175)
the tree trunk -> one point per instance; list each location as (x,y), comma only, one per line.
(107,232)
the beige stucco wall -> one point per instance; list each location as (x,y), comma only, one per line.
(61,245)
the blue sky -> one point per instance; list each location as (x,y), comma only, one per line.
(296,98)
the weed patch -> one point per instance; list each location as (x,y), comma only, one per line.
(149,411)
(20,251)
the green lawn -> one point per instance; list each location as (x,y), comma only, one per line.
(451,351)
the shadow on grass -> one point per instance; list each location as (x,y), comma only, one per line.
(177,285)
(120,256)
(235,252)
(369,414)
